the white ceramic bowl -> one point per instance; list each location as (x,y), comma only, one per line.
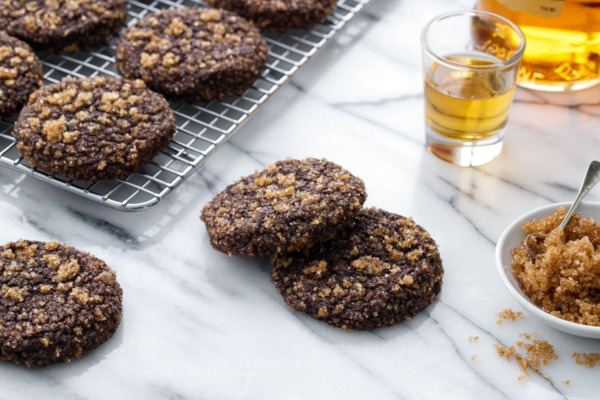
(512,237)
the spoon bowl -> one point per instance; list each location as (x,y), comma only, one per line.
(592,176)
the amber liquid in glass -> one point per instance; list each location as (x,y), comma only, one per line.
(467,106)
(563,52)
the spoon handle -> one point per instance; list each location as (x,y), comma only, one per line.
(592,177)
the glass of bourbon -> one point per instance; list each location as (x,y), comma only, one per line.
(471,64)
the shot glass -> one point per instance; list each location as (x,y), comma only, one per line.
(471,64)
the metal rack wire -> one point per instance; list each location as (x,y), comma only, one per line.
(201,128)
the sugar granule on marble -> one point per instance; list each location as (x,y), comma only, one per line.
(509,314)
(527,336)
(589,360)
(529,356)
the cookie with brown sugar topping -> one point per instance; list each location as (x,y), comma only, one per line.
(56,303)
(6,7)
(289,206)
(55,25)
(279,15)
(193,54)
(94,128)
(382,270)
(20,74)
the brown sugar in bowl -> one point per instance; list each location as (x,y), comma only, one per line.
(511,238)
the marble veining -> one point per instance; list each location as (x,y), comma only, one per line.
(198,324)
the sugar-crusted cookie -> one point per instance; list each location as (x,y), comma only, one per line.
(52,25)
(288,206)
(20,74)
(94,128)
(56,303)
(6,7)
(193,54)
(279,15)
(381,271)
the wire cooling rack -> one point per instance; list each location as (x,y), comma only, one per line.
(201,128)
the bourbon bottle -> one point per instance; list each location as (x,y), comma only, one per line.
(563,41)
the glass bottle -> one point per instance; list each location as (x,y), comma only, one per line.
(563,41)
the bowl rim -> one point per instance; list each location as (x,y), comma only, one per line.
(512,284)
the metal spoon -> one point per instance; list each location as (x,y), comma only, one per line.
(592,177)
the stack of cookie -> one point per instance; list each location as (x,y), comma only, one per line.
(352,267)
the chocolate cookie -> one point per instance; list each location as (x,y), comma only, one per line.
(288,206)
(94,128)
(279,15)
(381,271)
(6,7)
(63,24)
(20,74)
(193,54)
(56,303)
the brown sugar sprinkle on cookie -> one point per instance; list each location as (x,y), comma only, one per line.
(564,280)
(289,206)
(94,128)
(509,315)
(67,25)
(382,270)
(590,360)
(5,9)
(56,303)
(193,54)
(279,15)
(20,74)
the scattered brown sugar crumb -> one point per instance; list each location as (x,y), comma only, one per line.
(475,357)
(567,383)
(509,314)
(527,336)
(508,352)
(473,338)
(529,356)
(590,360)
(564,280)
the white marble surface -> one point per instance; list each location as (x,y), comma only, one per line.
(201,325)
